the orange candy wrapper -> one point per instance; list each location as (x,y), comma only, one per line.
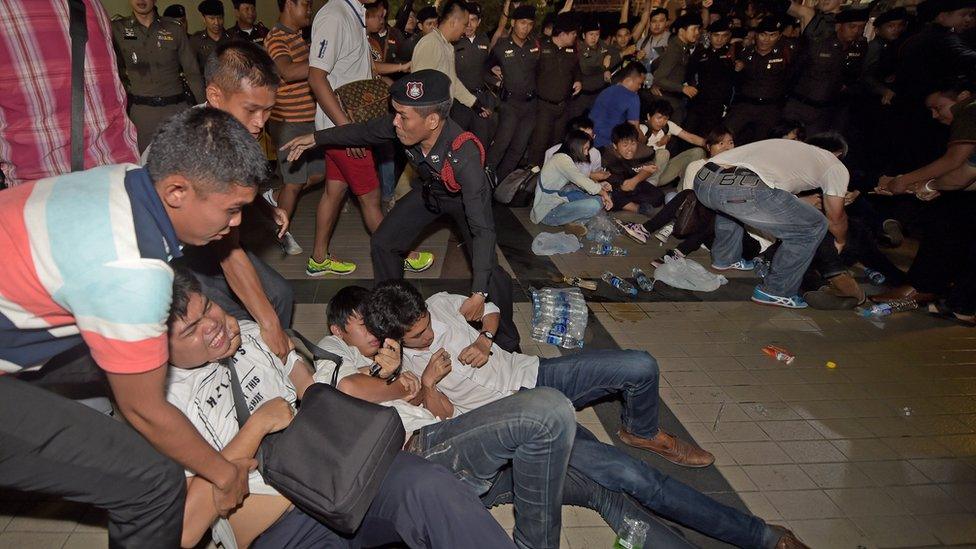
(779,354)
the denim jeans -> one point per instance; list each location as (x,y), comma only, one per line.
(573,211)
(590,376)
(533,431)
(799,226)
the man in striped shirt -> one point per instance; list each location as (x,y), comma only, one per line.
(294,110)
(85,279)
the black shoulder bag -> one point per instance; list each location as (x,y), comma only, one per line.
(78,29)
(332,458)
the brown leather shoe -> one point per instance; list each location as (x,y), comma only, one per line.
(788,540)
(904,292)
(844,285)
(670,448)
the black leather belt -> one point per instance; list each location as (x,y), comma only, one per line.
(156,101)
(732,175)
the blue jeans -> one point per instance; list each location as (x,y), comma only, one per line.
(533,431)
(589,376)
(797,224)
(385,168)
(419,504)
(575,210)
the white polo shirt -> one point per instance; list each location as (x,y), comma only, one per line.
(340,47)
(792,166)
(467,387)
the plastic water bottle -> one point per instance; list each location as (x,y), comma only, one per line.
(625,287)
(632,534)
(876,277)
(885,309)
(559,317)
(643,282)
(607,249)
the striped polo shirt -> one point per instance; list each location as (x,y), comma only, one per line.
(294,101)
(85,260)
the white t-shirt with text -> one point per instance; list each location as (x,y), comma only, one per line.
(792,166)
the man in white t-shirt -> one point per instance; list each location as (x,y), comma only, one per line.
(755,185)
(659,130)
(204,343)
(531,431)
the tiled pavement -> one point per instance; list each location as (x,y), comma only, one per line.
(877,452)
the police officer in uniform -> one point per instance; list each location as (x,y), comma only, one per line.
(825,68)
(178,12)
(593,75)
(470,62)
(817,23)
(763,75)
(152,52)
(452,182)
(205,41)
(247,26)
(557,81)
(518,56)
(712,72)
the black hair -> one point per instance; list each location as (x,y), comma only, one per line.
(581,123)
(787,125)
(951,87)
(573,145)
(450,8)
(633,68)
(474,8)
(829,141)
(660,106)
(209,148)
(442,109)
(621,26)
(425,13)
(392,308)
(237,61)
(687,20)
(185,284)
(624,132)
(659,11)
(716,134)
(374,6)
(237,3)
(344,303)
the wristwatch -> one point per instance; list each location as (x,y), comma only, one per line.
(482,294)
(489,335)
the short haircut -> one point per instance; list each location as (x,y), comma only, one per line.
(658,11)
(688,20)
(716,135)
(209,148)
(373,7)
(237,61)
(392,308)
(185,284)
(621,26)
(474,8)
(237,3)
(344,304)
(951,87)
(787,125)
(581,123)
(442,109)
(829,141)
(633,68)
(624,132)
(573,144)
(450,8)
(660,106)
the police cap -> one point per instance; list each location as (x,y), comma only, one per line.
(687,20)
(175,11)
(211,7)
(425,13)
(897,14)
(720,25)
(591,24)
(421,89)
(852,16)
(524,12)
(565,22)
(770,24)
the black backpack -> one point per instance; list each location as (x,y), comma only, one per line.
(518,188)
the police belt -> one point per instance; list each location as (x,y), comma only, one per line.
(554,103)
(506,95)
(156,101)
(811,102)
(733,175)
(757,100)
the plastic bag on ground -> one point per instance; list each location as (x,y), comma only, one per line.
(685,274)
(601,229)
(555,243)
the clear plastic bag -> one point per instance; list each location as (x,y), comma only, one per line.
(601,229)
(555,243)
(685,274)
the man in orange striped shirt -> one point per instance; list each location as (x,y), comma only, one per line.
(294,110)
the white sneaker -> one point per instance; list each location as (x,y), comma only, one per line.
(664,233)
(269,197)
(290,245)
(633,230)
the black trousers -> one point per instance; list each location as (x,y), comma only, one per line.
(861,247)
(550,128)
(207,270)
(704,115)
(52,445)
(419,504)
(400,228)
(516,119)
(946,259)
(749,122)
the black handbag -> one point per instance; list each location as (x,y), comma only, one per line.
(332,458)
(691,216)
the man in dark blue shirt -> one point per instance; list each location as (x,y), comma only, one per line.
(618,104)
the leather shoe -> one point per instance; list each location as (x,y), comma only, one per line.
(844,285)
(904,292)
(788,539)
(670,448)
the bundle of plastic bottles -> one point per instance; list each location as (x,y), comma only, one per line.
(559,317)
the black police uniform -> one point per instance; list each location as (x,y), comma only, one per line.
(470,61)
(204,45)
(820,27)
(516,114)
(824,69)
(712,71)
(760,91)
(429,199)
(557,72)
(592,77)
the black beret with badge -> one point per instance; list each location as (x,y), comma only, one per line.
(896,14)
(853,15)
(524,12)
(591,24)
(421,89)
(720,25)
(770,23)
(565,22)
(211,7)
